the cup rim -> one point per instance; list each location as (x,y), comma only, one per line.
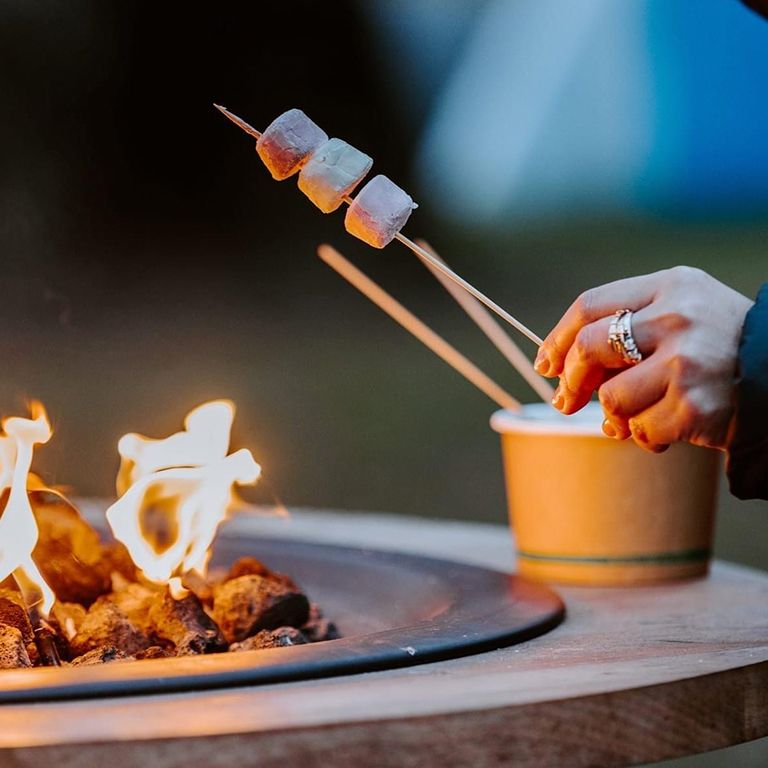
(543,419)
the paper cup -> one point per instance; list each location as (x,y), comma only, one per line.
(587,509)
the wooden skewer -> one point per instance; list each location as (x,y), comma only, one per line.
(422,254)
(426,258)
(415,326)
(498,337)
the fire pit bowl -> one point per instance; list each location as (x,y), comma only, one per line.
(392,609)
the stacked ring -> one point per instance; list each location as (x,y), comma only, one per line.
(621,339)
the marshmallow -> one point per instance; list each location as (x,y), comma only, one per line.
(333,171)
(288,142)
(378,212)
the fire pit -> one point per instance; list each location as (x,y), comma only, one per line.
(392,610)
(165,606)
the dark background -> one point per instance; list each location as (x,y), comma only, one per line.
(150,263)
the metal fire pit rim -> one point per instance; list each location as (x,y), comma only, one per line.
(511,609)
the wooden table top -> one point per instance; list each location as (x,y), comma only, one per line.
(632,676)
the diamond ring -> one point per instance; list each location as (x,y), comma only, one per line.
(621,339)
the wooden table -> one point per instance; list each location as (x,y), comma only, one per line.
(632,676)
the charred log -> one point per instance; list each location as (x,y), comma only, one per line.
(135,601)
(69,553)
(101,655)
(13,613)
(250,566)
(186,625)
(276,638)
(154,652)
(247,604)
(106,626)
(67,618)
(13,649)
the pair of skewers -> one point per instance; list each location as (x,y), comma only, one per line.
(474,302)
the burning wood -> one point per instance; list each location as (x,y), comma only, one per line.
(277,638)
(184,624)
(72,559)
(101,655)
(13,651)
(65,595)
(248,604)
(14,614)
(105,625)
(140,620)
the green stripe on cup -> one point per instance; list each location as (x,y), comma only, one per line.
(657,558)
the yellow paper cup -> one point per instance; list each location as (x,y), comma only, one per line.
(586,509)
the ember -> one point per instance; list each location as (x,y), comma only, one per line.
(67,596)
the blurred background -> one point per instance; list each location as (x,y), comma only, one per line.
(150,262)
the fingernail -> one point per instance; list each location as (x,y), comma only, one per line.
(557,400)
(608,429)
(637,432)
(541,364)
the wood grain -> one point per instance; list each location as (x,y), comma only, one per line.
(633,676)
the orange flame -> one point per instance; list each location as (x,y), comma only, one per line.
(176,491)
(18,527)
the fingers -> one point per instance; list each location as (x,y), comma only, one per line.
(585,366)
(632,392)
(592,358)
(658,426)
(632,293)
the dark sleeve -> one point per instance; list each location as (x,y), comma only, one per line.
(748,449)
(758,6)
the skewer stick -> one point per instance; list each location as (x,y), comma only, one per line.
(498,337)
(415,326)
(469,288)
(422,254)
(239,122)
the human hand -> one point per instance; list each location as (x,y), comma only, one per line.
(687,326)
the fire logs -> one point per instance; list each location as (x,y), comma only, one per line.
(70,555)
(185,624)
(251,608)
(13,650)
(106,612)
(248,604)
(17,638)
(106,626)
(277,638)
(14,614)
(67,597)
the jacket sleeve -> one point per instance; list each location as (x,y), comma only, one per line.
(747,464)
(758,6)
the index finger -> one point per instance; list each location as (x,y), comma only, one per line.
(630,293)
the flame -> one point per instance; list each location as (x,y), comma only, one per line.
(176,491)
(18,527)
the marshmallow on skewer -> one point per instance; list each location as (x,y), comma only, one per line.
(288,142)
(332,172)
(379,212)
(362,225)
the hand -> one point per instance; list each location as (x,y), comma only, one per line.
(687,326)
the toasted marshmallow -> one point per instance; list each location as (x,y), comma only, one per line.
(332,172)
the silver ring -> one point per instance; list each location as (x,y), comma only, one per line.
(621,339)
